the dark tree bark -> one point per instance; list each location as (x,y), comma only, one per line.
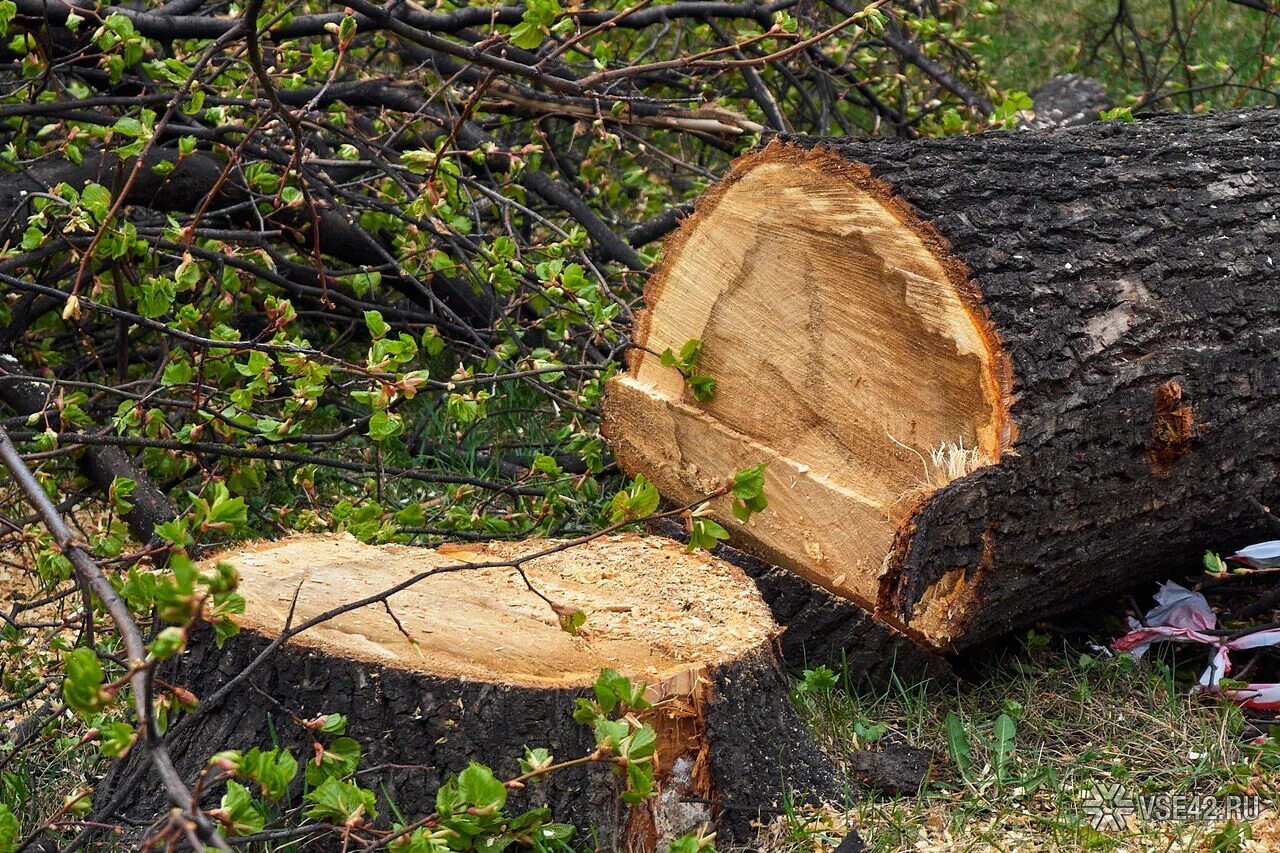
(432,727)
(1122,266)
(1122,363)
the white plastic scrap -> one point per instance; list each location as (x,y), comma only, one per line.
(1264,555)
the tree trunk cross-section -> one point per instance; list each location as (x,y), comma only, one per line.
(993,377)
(490,671)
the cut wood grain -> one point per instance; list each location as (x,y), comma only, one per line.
(654,612)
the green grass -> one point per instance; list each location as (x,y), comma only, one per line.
(1027,42)
(1076,720)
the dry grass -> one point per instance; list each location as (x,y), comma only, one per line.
(1079,720)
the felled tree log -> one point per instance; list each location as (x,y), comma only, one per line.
(993,377)
(490,671)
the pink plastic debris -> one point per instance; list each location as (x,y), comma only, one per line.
(1183,616)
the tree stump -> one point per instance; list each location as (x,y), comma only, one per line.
(489,671)
(993,377)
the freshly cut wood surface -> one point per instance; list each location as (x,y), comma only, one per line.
(847,353)
(994,377)
(653,611)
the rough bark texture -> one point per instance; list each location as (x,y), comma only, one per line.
(756,743)
(824,628)
(1129,272)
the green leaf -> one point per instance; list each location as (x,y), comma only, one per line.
(376,325)
(535,761)
(188,273)
(272,769)
(869,733)
(9,826)
(820,680)
(571,621)
(8,11)
(418,161)
(1002,745)
(527,35)
(639,783)
(585,711)
(638,500)
(176,372)
(97,200)
(155,296)
(703,388)
(334,724)
(168,642)
(611,687)
(341,802)
(174,532)
(547,465)
(1124,114)
(122,488)
(412,516)
(127,125)
(432,341)
(482,789)
(640,745)
(227,512)
(958,745)
(347,28)
(363,283)
(339,759)
(610,733)
(706,534)
(117,739)
(82,687)
(749,482)
(384,425)
(748,491)
(240,810)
